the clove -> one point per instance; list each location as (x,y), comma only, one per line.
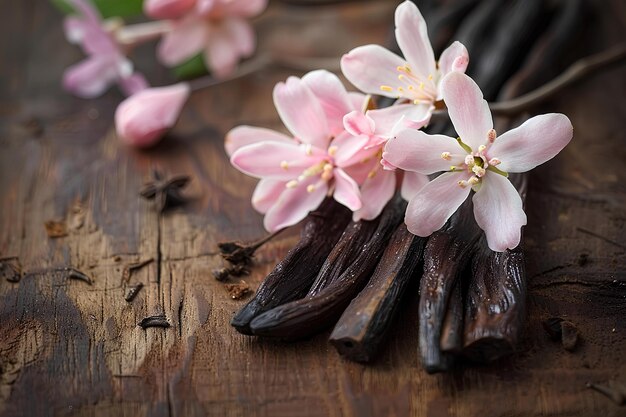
(132,292)
(158,320)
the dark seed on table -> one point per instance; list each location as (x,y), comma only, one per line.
(132,292)
(154,321)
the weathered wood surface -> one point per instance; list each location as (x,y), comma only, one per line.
(70,348)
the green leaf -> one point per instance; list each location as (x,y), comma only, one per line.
(194,67)
(107,8)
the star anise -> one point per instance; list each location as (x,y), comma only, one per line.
(165,192)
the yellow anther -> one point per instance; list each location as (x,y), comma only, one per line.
(310,188)
(416,101)
(479,171)
(430,77)
(462,184)
(411,87)
(332,150)
(481,148)
(328,167)
(473,181)
(401,77)
(452,167)
(327,175)
(284,165)
(372,173)
(494,162)
(386,88)
(421,86)
(292,184)
(400,89)
(446,156)
(308,149)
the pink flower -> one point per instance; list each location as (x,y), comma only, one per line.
(378,185)
(105,64)
(143,118)
(415,80)
(475,161)
(216,28)
(298,172)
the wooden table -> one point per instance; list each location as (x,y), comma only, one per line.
(70,348)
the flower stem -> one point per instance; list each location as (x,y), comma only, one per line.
(132,35)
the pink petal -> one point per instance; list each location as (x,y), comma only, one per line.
(241,8)
(414,150)
(360,171)
(499,212)
(371,66)
(167,9)
(351,149)
(468,112)
(133,84)
(294,204)
(228,41)
(454,58)
(332,95)
(346,190)
(357,100)
(90,77)
(412,37)
(392,119)
(536,141)
(186,39)
(356,123)
(266,194)
(74,29)
(142,119)
(276,160)
(433,205)
(412,182)
(242,136)
(375,194)
(301,112)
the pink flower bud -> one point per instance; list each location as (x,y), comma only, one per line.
(167,9)
(142,119)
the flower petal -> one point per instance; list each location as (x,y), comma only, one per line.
(294,204)
(433,205)
(241,136)
(346,190)
(357,123)
(499,212)
(357,100)
(536,141)
(414,150)
(412,37)
(241,8)
(301,112)
(467,109)
(241,35)
(167,9)
(277,160)
(133,84)
(186,39)
(332,95)
(412,182)
(90,77)
(392,119)
(375,194)
(266,194)
(454,58)
(371,66)
(222,50)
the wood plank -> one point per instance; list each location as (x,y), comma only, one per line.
(69,348)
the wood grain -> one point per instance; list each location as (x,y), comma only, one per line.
(69,348)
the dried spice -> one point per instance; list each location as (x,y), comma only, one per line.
(222,274)
(238,291)
(132,292)
(363,325)
(10,269)
(562,330)
(158,320)
(55,228)
(240,254)
(307,316)
(165,192)
(294,275)
(130,268)
(76,274)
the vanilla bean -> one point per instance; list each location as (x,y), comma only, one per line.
(307,316)
(363,325)
(294,275)
(452,329)
(496,298)
(446,254)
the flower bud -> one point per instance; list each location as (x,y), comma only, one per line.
(143,118)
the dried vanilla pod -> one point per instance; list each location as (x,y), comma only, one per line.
(307,316)
(446,255)
(294,275)
(363,326)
